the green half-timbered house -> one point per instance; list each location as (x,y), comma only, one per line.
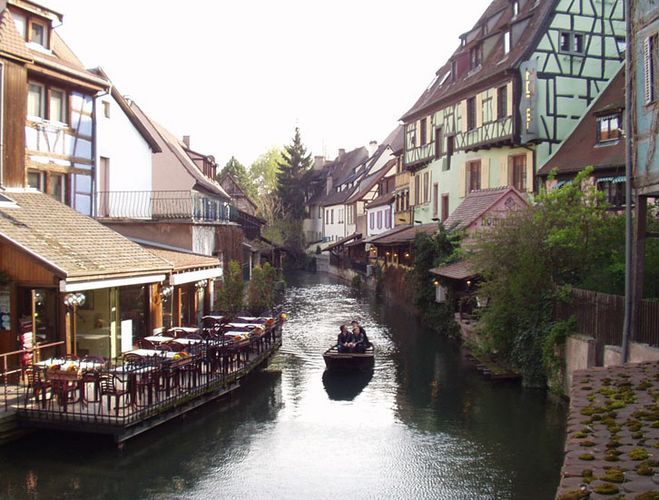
(513,90)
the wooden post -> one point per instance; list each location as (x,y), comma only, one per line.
(67,329)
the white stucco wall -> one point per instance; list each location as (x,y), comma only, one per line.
(385,219)
(129,154)
(336,230)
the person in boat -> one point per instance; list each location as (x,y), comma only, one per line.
(359,339)
(344,339)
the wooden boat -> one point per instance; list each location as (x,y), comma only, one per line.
(343,361)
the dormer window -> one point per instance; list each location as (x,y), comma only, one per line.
(506,41)
(32,28)
(608,128)
(475,56)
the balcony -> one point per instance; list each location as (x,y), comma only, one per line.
(162,205)
(402,181)
(420,154)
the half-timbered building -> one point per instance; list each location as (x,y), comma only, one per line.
(512,91)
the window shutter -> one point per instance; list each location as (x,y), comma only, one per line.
(529,172)
(479,110)
(462,180)
(510,171)
(647,63)
(485,173)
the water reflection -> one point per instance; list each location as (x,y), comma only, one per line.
(422,424)
(345,386)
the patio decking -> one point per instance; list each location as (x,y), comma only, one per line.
(125,399)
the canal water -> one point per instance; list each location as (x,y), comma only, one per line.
(424,424)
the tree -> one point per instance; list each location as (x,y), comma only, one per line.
(264,170)
(261,291)
(231,293)
(529,258)
(293,176)
(238,171)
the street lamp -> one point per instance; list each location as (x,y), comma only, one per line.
(72,301)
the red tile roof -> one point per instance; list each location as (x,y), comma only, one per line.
(476,204)
(11,42)
(457,270)
(580,149)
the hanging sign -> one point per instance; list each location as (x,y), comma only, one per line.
(528,101)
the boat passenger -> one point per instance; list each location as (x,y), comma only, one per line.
(355,324)
(344,339)
(359,339)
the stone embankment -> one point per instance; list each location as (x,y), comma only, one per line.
(612,445)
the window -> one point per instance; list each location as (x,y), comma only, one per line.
(424,131)
(426,187)
(613,189)
(506,41)
(326,216)
(339,218)
(46,103)
(444,207)
(106,109)
(651,68)
(517,172)
(475,56)
(502,102)
(450,142)
(435,200)
(608,128)
(417,189)
(21,24)
(36,100)
(473,180)
(439,142)
(332,216)
(57,188)
(379,219)
(57,106)
(38,33)
(36,180)
(387,218)
(371,220)
(571,43)
(471,113)
(320,212)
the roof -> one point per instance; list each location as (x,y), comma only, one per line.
(11,42)
(234,190)
(526,28)
(370,181)
(71,244)
(130,114)
(460,270)
(383,199)
(343,241)
(581,149)
(395,139)
(391,231)
(476,204)
(168,143)
(341,170)
(184,261)
(407,235)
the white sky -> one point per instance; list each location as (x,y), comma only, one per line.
(238,76)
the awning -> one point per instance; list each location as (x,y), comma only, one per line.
(343,241)
(613,180)
(191,276)
(406,236)
(65,286)
(460,270)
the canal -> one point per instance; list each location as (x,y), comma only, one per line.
(424,424)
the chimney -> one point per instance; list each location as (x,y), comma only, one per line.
(328,183)
(372,146)
(186,141)
(318,162)
(341,152)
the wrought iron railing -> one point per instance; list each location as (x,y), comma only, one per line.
(159,205)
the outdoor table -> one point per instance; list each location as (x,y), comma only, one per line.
(158,339)
(245,325)
(151,352)
(252,319)
(187,329)
(131,373)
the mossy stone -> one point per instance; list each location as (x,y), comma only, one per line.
(638,454)
(606,489)
(587,456)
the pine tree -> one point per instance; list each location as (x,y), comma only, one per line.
(293,176)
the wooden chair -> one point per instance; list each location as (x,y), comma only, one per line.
(174,346)
(145,344)
(38,384)
(109,389)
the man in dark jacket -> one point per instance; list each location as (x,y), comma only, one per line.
(359,337)
(344,339)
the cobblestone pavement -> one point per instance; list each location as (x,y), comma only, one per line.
(612,445)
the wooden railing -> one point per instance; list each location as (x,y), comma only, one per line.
(13,366)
